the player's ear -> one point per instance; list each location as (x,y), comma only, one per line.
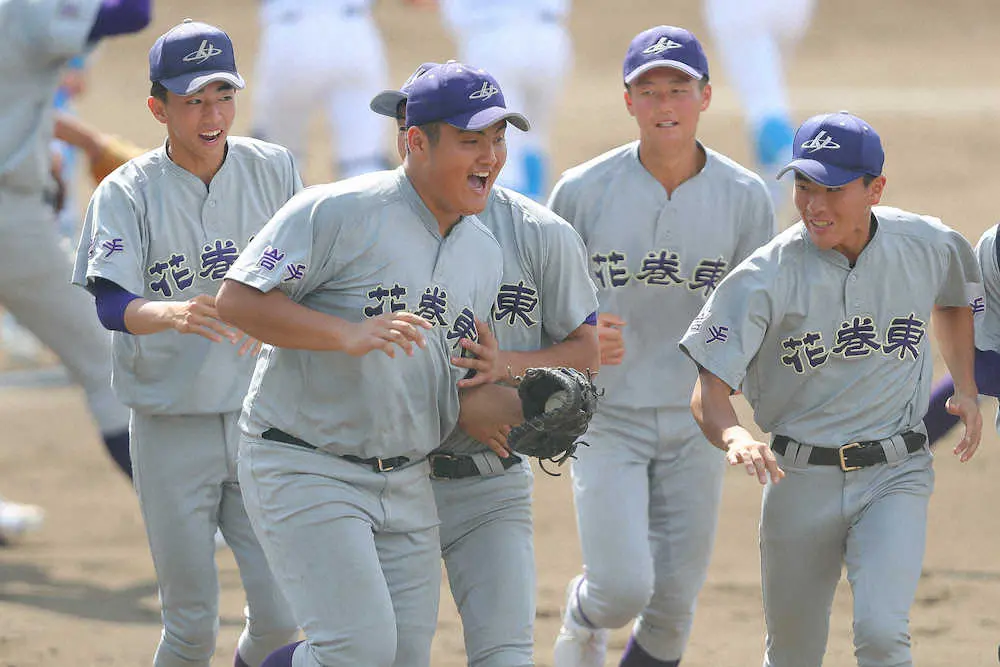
(157,108)
(875,190)
(628,101)
(416,140)
(706,96)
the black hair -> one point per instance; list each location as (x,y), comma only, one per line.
(432,130)
(159,91)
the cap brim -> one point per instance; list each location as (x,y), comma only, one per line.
(672,64)
(824,174)
(485,118)
(387,102)
(189,84)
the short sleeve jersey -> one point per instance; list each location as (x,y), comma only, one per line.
(656,259)
(156,230)
(827,353)
(358,249)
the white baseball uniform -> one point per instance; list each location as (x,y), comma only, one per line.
(326,56)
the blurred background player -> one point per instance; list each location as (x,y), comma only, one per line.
(525,45)
(753,39)
(326,56)
(37,40)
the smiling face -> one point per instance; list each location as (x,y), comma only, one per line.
(838,218)
(198,124)
(666,104)
(455,170)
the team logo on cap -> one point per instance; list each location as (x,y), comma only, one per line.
(486,92)
(662,44)
(204,52)
(819,142)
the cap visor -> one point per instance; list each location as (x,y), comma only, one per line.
(672,64)
(192,83)
(386,102)
(483,119)
(824,174)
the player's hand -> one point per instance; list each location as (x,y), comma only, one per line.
(199,316)
(966,408)
(485,360)
(388,332)
(490,434)
(756,457)
(609,334)
(249,345)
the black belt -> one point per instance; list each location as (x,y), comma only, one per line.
(459,466)
(375,463)
(855,455)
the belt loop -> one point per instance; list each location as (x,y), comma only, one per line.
(487,463)
(894,448)
(802,453)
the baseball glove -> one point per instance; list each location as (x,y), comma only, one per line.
(558,404)
(114,152)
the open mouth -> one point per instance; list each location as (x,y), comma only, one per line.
(210,137)
(478,181)
(820,224)
(667,123)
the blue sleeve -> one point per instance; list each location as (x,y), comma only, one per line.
(988,372)
(119,17)
(111,301)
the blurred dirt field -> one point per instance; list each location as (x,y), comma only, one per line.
(923,72)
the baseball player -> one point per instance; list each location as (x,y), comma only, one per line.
(36,40)
(825,330)
(525,44)
(364,291)
(165,228)
(326,55)
(544,315)
(663,219)
(941,417)
(753,40)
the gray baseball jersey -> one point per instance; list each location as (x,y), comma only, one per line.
(37,37)
(158,232)
(792,315)
(655,259)
(829,354)
(358,249)
(987,309)
(546,292)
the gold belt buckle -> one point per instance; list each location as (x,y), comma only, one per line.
(843,463)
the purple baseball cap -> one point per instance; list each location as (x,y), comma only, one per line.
(387,102)
(461,95)
(665,46)
(192,55)
(834,149)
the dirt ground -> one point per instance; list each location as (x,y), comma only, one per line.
(924,72)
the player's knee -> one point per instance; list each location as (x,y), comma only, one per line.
(881,640)
(615,601)
(192,643)
(356,651)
